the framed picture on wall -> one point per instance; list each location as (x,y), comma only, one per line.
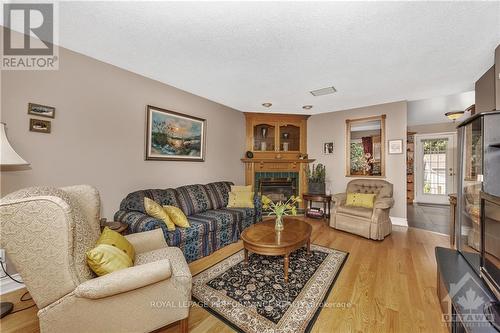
(40,126)
(41,110)
(395,146)
(173,136)
(328,148)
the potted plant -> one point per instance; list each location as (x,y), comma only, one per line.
(316,179)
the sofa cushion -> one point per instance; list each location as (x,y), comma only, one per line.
(360,200)
(177,216)
(193,199)
(355,211)
(135,201)
(245,217)
(179,236)
(215,219)
(218,193)
(240,200)
(155,210)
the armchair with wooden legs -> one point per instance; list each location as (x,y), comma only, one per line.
(46,232)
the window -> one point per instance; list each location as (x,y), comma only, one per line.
(434,175)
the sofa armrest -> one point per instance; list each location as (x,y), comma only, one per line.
(383,203)
(147,241)
(125,280)
(339,198)
(181,274)
(137,221)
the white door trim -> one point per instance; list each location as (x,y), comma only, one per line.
(418,172)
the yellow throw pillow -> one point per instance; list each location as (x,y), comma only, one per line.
(113,238)
(104,259)
(364,200)
(177,216)
(111,253)
(235,188)
(240,200)
(156,210)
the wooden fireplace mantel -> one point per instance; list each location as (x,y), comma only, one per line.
(276,142)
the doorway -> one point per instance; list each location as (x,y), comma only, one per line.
(435,167)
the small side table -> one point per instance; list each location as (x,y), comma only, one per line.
(326,199)
(119,227)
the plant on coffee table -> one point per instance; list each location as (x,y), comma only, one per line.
(281,209)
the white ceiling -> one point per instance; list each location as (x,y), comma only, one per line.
(242,54)
(432,110)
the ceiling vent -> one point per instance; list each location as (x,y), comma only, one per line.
(323,91)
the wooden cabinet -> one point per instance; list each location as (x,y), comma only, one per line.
(279,145)
(410,155)
(276,135)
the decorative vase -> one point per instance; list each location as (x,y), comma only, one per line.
(263,132)
(285,146)
(263,146)
(278,226)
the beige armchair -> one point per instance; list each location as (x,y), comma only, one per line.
(46,232)
(369,223)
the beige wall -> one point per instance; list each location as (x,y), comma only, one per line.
(329,127)
(434,128)
(98,133)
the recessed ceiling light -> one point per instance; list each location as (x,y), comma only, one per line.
(267,105)
(307,107)
(323,91)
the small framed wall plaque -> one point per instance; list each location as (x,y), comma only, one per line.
(40,126)
(41,110)
(328,148)
(395,146)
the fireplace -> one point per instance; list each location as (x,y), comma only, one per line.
(278,189)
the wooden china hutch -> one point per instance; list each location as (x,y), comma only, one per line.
(276,146)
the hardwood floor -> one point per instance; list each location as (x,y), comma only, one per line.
(387,286)
(429,217)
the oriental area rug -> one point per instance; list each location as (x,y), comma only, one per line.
(254,298)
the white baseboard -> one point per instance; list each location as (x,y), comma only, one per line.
(401,221)
(7,285)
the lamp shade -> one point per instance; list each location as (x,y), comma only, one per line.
(8,155)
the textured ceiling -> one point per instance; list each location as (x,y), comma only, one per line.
(244,54)
(432,110)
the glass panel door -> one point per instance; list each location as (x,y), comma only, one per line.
(435,168)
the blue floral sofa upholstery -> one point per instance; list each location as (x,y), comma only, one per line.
(212,224)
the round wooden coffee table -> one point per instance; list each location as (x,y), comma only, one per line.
(261,238)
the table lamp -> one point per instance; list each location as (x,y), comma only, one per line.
(9,158)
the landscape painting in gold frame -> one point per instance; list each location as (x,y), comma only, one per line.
(174,136)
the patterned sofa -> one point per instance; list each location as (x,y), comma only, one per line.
(212,224)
